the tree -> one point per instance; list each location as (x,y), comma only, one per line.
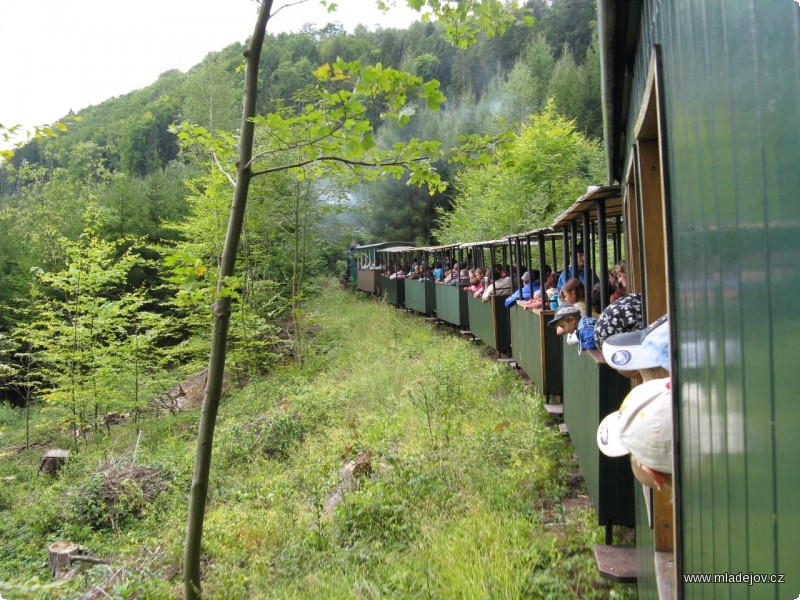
(211,95)
(80,314)
(331,132)
(528,183)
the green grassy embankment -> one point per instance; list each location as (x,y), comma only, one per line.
(459,486)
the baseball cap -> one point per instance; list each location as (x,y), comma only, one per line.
(565,310)
(641,427)
(636,350)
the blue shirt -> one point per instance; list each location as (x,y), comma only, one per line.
(565,275)
(586,333)
(526,294)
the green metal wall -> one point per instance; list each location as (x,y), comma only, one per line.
(731,108)
(591,391)
(489,321)
(451,304)
(420,296)
(541,362)
(393,290)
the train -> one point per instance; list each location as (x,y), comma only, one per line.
(701,119)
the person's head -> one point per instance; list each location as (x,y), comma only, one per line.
(642,427)
(579,253)
(464,274)
(596,298)
(566,319)
(644,353)
(618,277)
(572,292)
(480,272)
(526,277)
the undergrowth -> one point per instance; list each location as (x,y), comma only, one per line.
(457,491)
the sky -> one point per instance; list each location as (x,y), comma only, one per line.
(59,55)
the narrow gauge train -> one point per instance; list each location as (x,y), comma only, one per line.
(701,113)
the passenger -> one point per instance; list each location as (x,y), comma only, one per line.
(642,353)
(523,293)
(618,280)
(597,306)
(643,425)
(552,294)
(566,319)
(451,273)
(473,279)
(572,272)
(621,316)
(579,329)
(534,303)
(501,286)
(476,279)
(572,292)
(438,272)
(462,277)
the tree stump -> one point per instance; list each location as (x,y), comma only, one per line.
(59,557)
(52,461)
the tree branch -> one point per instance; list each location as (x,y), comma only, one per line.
(346,161)
(290,147)
(223,171)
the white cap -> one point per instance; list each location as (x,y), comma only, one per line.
(642,426)
(644,349)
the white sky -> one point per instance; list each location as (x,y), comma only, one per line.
(57,55)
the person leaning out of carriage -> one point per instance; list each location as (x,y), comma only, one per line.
(524,293)
(569,321)
(476,281)
(642,427)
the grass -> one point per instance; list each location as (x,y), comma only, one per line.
(458,494)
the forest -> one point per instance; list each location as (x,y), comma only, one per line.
(113,231)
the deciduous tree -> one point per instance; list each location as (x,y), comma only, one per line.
(329,134)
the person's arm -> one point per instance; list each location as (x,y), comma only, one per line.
(512,299)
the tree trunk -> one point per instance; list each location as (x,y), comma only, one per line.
(59,557)
(52,461)
(222,315)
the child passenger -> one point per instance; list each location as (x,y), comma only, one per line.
(578,329)
(642,427)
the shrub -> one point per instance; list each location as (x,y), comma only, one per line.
(115,494)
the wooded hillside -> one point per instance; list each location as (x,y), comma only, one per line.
(112,233)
